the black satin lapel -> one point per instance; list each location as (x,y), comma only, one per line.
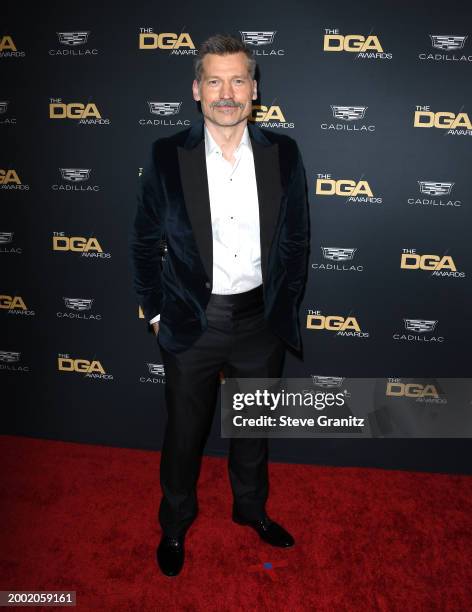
(193,175)
(269,191)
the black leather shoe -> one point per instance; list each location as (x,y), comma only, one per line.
(170,555)
(270,531)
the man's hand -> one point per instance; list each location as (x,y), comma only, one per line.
(155,328)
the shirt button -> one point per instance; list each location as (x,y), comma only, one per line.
(207,285)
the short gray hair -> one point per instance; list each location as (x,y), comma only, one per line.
(223,44)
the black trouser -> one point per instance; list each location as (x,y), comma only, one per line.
(239,342)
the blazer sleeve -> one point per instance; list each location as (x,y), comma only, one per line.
(144,239)
(295,235)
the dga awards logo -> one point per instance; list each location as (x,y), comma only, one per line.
(426,393)
(73,44)
(10,361)
(270,117)
(261,42)
(437,265)
(81,113)
(78,308)
(340,258)
(164,113)
(352,118)
(364,47)
(10,180)
(435,194)
(88,368)
(6,244)
(5,118)
(418,330)
(456,124)
(173,43)
(347,326)
(15,305)
(354,192)
(87,247)
(446,48)
(8,47)
(155,374)
(75,179)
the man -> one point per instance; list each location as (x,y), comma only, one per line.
(230,201)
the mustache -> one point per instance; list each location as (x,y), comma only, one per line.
(227,103)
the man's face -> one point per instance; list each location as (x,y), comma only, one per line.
(226,89)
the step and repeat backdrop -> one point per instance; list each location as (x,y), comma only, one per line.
(378,98)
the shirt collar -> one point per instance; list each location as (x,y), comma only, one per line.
(211,146)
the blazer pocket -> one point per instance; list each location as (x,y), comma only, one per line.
(178,311)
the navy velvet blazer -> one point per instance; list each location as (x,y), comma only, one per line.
(173,202)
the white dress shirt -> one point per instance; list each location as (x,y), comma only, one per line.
(234,209)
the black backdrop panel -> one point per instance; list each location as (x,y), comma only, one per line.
(348,81)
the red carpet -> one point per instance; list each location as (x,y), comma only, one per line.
(84,518)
